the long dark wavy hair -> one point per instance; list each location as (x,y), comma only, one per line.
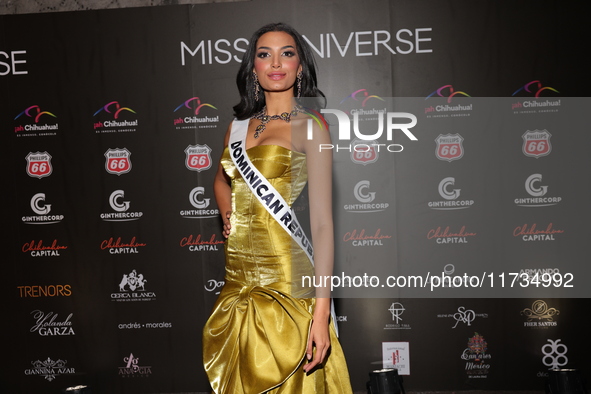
(248,106)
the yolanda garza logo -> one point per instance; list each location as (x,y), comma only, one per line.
(396,310)
(362,193)
(44,291)
(361,238)
(110,119)
(42,209)
(451,197)
(214,286)
(133,369)
(50,369)
(476,357)
(133,288)
(39,249)
(449,147)
(121,208)
(538,194)
(396,355)
(367,140)
(199,244)
(201,205)
(464,316)
(198,157)
(448,236)
(531,233)
(540,315)
(48,324)
(30,123)
(39,164)
(539,104)
(118,161)
(194,106)
(117,246)
(536,143)
(448,110)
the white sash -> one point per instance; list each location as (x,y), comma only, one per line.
(268,195)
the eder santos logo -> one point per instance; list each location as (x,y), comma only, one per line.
(121,208)
(42,209)
(540,315)
(450,195)
(363,194)
(194,106)
(39,164)
(29,123)
(537,191)
(201,204)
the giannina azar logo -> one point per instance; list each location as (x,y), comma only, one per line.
(108,119)
(196,120)
(29,122)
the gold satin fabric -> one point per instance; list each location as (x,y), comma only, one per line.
(255,340)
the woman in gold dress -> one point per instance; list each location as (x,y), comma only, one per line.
(268,332)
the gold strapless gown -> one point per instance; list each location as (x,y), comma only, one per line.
(255,340)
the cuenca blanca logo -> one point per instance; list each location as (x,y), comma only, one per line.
(194,105)
(132,288)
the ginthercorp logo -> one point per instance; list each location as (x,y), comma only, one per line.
(536,143)
(30,122)
(121,207)
(214,286)
(110,119)
(118,246)
(368,137)
(449,147)
(537,190)
(198,157)
(50,369)
(476,357)
(326,45)
(448,191)
(49,324)
(39,164)
(554,354)
(42,209)
(540,315)
(197,120)
(366,238)
(198,243)
(133,288)
(201,204)
(362,193)
(448,236)
(42,249)
(118,161)
(132,368)
(396,310)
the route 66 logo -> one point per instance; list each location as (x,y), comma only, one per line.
(39,164)
(536,143)
(364,152)
(198,157)
(449,147)
(118,161)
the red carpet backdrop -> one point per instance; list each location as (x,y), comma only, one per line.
(112,124)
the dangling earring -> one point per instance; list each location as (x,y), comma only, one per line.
(256,86)
(299,83)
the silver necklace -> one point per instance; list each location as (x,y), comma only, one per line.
(264,118)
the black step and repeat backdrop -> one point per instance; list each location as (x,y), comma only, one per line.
(461,252)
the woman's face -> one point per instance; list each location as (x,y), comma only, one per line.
(276,61)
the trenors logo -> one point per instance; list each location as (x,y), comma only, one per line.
(195,105)
(118,161)
(449,147)
(533,88)
(536,143)
(198,157)
(34,113)
(39,164)
(114,111)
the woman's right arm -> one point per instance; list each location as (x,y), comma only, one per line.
(223,192)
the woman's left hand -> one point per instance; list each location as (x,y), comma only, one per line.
(319,339)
